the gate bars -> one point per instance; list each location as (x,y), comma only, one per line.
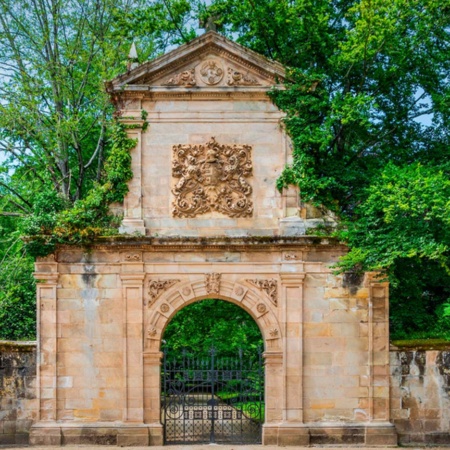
(212,399)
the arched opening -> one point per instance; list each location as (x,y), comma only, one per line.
(212,377)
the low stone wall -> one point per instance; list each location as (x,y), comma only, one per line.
(18,403)
(420,396)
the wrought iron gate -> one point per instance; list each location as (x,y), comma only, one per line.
(212,400)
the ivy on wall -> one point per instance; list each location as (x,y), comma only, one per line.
(56,222)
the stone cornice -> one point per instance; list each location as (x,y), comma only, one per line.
(213,243)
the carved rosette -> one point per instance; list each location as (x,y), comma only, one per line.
(212,282)
(236,78)
(211,72)
(156,287)
(212,177)
(186,79)
(270,287)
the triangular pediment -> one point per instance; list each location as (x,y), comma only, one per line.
(209,61)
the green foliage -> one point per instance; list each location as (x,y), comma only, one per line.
(367,101)
(53,223)
(207,323)
(18,292)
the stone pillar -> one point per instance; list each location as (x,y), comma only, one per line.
(152,396)
(274,385)
(380,431)
(46,275)
(133,221)
(292,292)
(132,284)
(292,431)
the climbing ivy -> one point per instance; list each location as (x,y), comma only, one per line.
(54,221)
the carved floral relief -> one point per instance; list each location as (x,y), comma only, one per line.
(236,78)
(156,287)
(270,287)
(186,79)
(212,282)
(212,177)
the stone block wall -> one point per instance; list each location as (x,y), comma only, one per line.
(420,396)
(18,403)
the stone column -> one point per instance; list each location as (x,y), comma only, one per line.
(380,431)
(46,275)
(274,385)
(133,218)
(292,292)
(132,285)
(152,396)
(292,431)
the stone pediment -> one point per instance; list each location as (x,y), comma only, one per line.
(210,61)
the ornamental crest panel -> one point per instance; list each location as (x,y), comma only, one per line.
(212,177)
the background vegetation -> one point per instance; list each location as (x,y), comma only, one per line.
(367,104)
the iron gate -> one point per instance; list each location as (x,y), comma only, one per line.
(212,400)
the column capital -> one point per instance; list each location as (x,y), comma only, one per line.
(273,357)
(46,277)
(153,357)
(292,278)
(132,279)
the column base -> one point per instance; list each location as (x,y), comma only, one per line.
(98,433)
(290,434)
(132,226)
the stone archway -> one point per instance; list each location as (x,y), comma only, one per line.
(179,294)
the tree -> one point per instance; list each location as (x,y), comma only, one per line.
(367,107)
(56,126)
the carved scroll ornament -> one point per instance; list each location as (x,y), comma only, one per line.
(236,78)
(270,287)
(186,79)
(155,287)
(212,177)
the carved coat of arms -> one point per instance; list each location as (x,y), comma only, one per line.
(212,177)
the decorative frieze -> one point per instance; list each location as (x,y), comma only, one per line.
(270,287)
(212,177)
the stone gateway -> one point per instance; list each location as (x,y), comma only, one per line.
(203,219)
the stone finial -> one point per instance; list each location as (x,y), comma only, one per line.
(132,58)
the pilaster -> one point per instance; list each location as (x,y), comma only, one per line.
(133,221)
(132,291)
(292,293)
(46,276)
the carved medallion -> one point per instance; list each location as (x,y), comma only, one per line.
(268,286)
(212,281)
(212,177)
(236,78)
(261,308)
(186,79)
(155,287)
(239,290)
(211,72)
(165,308)
(186,290)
